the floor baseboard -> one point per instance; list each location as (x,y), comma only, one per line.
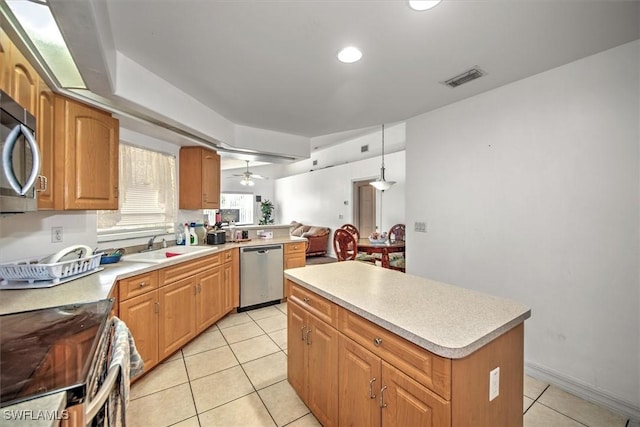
(585,392)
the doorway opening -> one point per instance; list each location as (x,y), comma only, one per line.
(364,207)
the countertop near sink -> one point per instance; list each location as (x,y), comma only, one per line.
(99,285)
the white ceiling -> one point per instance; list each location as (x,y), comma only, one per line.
(271,64)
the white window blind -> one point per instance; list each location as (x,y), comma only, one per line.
(147,194)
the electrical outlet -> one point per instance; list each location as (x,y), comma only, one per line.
(494,383)
(56,234)
(420,226)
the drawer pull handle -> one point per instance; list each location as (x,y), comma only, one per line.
(142,285)
(382,404)
(377,342)
(371,394)
(306,299)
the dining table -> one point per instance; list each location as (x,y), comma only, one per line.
(383,248)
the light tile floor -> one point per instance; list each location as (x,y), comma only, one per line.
(235,374)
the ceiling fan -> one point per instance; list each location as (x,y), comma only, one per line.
(248,176)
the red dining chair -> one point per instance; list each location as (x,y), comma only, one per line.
(345,246)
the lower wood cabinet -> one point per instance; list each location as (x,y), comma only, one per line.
(351,372)
(312,349)
(209,301)
(140,313)
(166,308)
(374,393)
(295,255)
(177,323)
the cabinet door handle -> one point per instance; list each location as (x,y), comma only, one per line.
(302,333)
(308,337)
(43,183)
(371,394)
(115,192)
(157,307)
(377,342)
(382,404)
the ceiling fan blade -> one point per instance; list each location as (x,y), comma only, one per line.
(258,176)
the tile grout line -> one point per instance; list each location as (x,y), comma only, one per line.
(193,397)
(554,410)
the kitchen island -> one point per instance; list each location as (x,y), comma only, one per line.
(371,346)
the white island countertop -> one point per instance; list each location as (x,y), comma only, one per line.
(447,320)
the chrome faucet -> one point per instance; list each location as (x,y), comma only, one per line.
(150,243)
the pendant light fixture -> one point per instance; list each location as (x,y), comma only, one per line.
(380,183)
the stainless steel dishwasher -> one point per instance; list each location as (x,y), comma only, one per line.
(261,276)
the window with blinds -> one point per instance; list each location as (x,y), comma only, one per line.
(240,203)
(148,205)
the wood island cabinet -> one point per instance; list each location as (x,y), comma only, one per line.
(312,354)
(384,380)
(199,178)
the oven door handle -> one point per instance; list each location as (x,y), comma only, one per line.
(7,157)
(103,394)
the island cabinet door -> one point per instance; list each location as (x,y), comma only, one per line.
(359,382)
(405,402)
(297,349)
(322,343)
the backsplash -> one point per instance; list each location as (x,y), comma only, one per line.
(28,235)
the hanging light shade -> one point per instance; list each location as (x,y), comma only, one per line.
(381,183)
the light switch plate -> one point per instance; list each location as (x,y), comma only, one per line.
(494,383)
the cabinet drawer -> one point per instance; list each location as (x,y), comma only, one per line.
(138,285)
(434,372)
(322,308)
(228,256)
(293,248)
(189,268)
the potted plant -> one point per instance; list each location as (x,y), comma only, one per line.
(267,209)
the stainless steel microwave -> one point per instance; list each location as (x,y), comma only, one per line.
(20,157)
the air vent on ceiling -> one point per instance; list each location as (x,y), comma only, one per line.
(364,148)
(465,77)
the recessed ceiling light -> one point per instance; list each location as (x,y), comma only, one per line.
(423,4)
(349,54)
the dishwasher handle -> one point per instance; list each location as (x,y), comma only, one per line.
(262,249)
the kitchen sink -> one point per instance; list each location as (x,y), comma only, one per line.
(159,256)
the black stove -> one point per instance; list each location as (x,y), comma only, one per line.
(49,350)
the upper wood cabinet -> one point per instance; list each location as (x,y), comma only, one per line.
(21,79)
(45,135)
(199,178)
(5,43)
(86,157)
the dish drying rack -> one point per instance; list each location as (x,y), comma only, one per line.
(54,270)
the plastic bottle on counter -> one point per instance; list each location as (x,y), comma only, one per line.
(187,239)
(193,235)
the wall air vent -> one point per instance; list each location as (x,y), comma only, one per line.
(364,148)
(315,163)
(465,77)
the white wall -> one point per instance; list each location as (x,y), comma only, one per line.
(531,191)
(318,197)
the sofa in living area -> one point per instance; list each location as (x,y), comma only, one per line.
(317,237)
